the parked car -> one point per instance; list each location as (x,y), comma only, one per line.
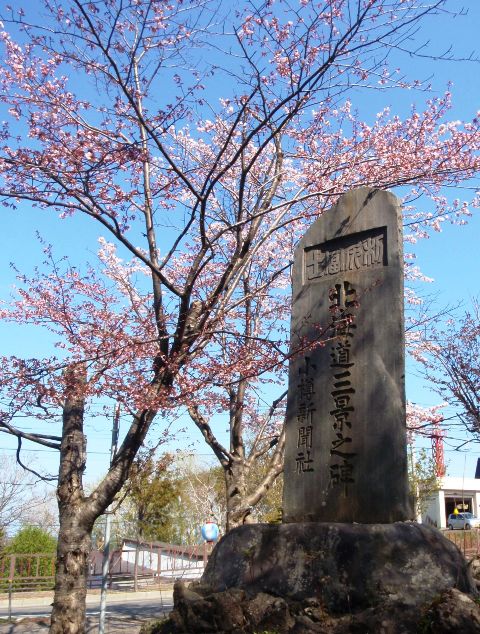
(463,521)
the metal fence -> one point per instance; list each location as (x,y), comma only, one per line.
(22,572)
(129,568)
(468,542)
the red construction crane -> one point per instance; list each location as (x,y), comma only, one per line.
(427,422)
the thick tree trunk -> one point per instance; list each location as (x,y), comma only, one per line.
(76,511)
(238,512)
(241,495)
(68,613)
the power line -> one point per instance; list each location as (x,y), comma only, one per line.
(103,453)
(20,484)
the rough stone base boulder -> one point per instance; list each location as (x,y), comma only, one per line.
(345,566)
(339,578)
(233,612)
(452,612)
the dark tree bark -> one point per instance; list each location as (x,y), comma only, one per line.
(238,512)
(241,495)
(77,512)
(68,613)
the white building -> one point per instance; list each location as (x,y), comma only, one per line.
(159,559)
(463,493)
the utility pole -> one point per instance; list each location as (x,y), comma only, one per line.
(108,520)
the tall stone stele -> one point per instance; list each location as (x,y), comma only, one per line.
(345,458)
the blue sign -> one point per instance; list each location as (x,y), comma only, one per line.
(210,532)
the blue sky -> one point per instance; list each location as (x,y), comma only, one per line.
(449,257)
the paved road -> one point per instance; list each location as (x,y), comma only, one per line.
(125,612)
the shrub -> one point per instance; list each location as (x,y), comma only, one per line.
(34,551)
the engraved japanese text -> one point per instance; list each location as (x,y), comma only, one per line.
(363,250)
(342,304)
(305,412)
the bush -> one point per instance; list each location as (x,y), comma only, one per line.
(32,540)
(34,551)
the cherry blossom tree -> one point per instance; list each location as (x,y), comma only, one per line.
(200,139)
(255,429)
(450,356)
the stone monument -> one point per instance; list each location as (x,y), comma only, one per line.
(346,457)
(344,559)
